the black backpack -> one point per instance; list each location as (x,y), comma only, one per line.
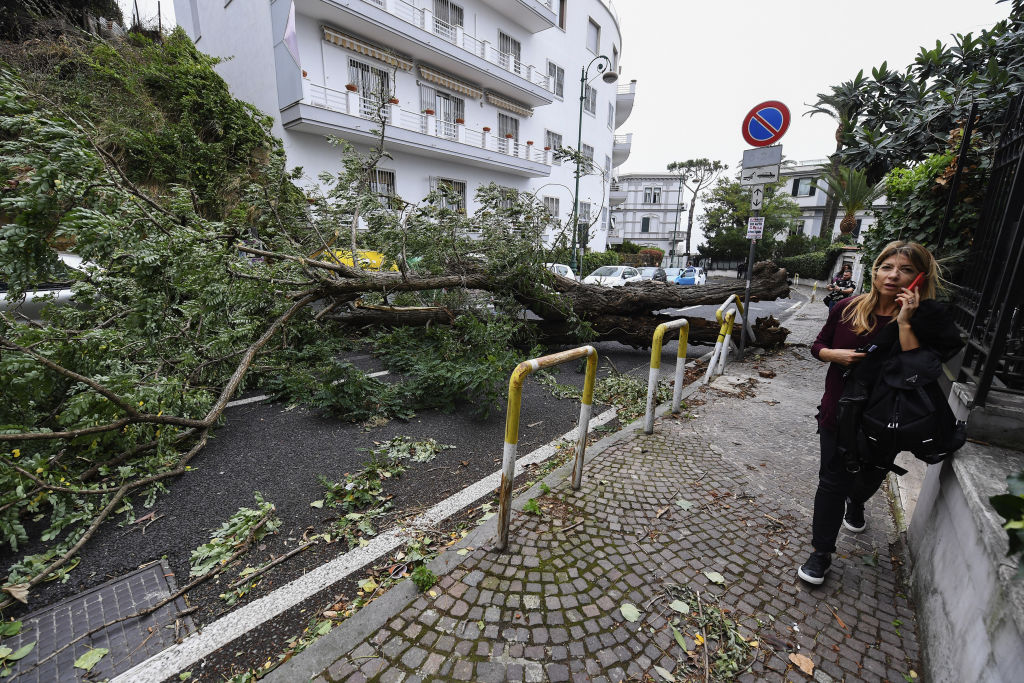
(906,410)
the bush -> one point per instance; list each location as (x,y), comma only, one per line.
(817,264)
(595,259)
(651,257)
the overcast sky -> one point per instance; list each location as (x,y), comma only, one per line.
(700,66)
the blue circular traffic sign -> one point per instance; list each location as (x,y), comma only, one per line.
(766,123)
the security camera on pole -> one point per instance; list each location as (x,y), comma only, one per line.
(763,126)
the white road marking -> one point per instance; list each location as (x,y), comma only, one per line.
(379,374)
(229,627)
(251,399)
(795,306)
(688,308)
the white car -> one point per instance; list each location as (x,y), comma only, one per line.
(561,269)
(52,287)
(613,276)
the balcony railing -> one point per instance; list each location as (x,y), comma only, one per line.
(457,35)
(354,104)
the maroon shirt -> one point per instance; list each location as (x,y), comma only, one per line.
(837,334)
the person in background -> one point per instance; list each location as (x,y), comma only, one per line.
(841,286)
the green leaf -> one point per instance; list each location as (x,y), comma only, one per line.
(665,674)
(323,628)
(679,606)
(685,504)
(715,577)
(20,652)
(317,504)
(91,658)
(629,611)
(681,640)
(10,628)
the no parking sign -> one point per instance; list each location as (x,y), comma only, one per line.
(766,123)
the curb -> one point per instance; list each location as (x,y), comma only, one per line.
(324,651)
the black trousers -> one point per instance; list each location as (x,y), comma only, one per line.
(835,485)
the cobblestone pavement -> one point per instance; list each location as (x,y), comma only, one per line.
(701,523)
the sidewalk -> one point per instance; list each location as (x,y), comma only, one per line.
(712,511)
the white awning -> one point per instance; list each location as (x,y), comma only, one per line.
(510,105)
(350,43)
(450,83)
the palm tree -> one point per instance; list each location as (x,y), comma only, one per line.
(849,188)
(844,104)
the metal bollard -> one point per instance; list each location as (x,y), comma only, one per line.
(652,378)
(515,398)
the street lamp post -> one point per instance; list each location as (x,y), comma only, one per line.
(604,67)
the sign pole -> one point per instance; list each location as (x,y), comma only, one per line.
(746,292)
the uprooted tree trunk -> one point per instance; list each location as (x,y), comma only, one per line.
(623,314)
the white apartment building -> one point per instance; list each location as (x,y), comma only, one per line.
(803,185)
(649,209)
(474,91)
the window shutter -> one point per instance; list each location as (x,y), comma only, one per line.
(796,186)
(813,187)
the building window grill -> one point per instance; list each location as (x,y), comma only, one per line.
(511,52)
(453,193)
(557,75)
(551,204)
(588,153)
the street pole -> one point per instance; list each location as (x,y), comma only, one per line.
(678,223)
(746,291)
(609,77)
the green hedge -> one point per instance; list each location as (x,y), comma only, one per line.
(816,264)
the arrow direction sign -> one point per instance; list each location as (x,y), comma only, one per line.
(757,197)
(759,175)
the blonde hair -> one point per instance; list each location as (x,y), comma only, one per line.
(861,313)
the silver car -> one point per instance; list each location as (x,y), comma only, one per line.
(51,287)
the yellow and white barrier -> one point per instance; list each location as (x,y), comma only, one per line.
(683,326)
(515,399)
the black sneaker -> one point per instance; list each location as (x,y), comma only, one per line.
(853,520)
(814,569)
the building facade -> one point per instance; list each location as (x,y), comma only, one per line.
(472,91)
(649,209)
(803,183)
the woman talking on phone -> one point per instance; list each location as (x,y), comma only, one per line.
(894,317)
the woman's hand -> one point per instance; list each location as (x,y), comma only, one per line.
(845,357)
(907,300)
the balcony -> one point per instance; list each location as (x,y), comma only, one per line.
(533,15)
(324,111)
(417,33)
(620,148)
(624,102)
(616,195)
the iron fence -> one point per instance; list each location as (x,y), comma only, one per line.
(990,292)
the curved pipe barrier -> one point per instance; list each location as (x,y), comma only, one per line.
(652,378)
(515,399)
(721,351)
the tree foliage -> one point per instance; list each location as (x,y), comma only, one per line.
(724,222)
(695,175)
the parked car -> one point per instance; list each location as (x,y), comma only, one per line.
(561,269)
(653,273)
(52,286)
(672,273)
(612,276)
(692,276)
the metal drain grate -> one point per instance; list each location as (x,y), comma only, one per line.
(129,642)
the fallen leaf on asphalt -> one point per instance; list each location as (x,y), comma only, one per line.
(665,674)
(679,606)
(432,594)
(465,463)
(871,560)
(316,504)
(685,504)
(699,638)
(462,551)
(368,585)
(767,374)
(629,611)
(91,658)
(805,663)
(715,577)
(661,512)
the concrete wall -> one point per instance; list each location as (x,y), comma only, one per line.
(970,606)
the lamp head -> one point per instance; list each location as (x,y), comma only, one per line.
(609,76)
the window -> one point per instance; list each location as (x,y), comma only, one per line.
(652,195)
(615,58)
(382,183)
(584,215)
(446,107)
(798,228)
(645,224)
(374,85)
(590,101)
(593,37)
(447,15)
(557,75)
(804,187)
(511,52)
(856,229)
(509,195)
(551,204)
(454,193)
(608,165)
(508,125)
(588,153)
(554,141)
(561,13)
(611,115)
(604,217)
